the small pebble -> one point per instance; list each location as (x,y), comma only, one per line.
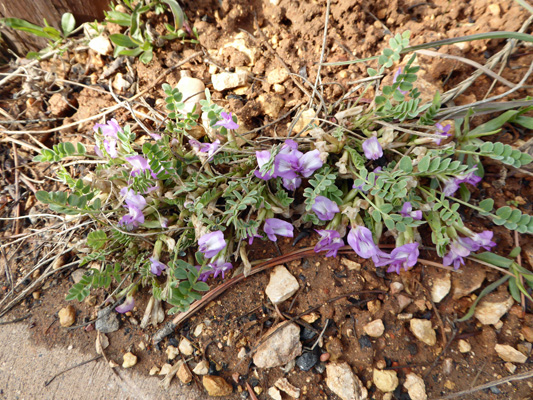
(67,316)
(130,360)
(186,347)
(324,357)
(154,370)
(165,369)
(172,352)
(306,361)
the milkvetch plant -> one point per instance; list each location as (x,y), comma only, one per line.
(179,210)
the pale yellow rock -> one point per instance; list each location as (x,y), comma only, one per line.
(495,9)
(270,104)
(184,374)
(274,393)
(130,360)
(282,285)
(386,381)
(307,117)
(154,370)
(216,386)
(423,331)
(101,45)
(277,75)
(67,316)
(415,387)
(284,385)
(464,346)
(172,352)
(351,265)
(279,89)
(510,354)
(202,368)
(165,369)
(186,347)
(489,312)
(228,80)
(374,328)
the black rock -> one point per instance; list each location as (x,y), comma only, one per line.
(307,361)
(172,341)
(212,368)
(364,342)
(307,334)
(107,321)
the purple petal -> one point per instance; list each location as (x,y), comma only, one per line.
(330,241)
(110,129)
(128,305)
(372,148)
(324,208)
(211,244)
(156,267)
(262,158)
(227,121)
(285,166)
(309,163)
(275,226)
(361,241)
(98,151)
(291,184)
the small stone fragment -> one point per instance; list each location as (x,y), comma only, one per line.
(524,348)
(258,390)
(242,354)
(130,360)
(193,90)
(449,385)
(198,330)
(342,381)
(120,84)
(228,80)
(154,370)
(510,367)
(374,328)
(492,308)
(307,361)
(172,352)
(107,321)
(374,306)
(464,284)
(282,285)
(279,89)
(334,348)
(186,347)
(415,387)
(350,264)
(386,381)
(216,386)
(527,331)
(271,104)
(67,316)
(274,393)
(184,374)
(101,45)
(441,287)
(113,364)
(310,318)
(277,75)
(464,346)
(101,343)
(396,287)
(284,385)
(494,9)
(510,354)
(165,369)
(280,347)
(307,117)
(423,331)
(403,301)
(78,274)
(202,368)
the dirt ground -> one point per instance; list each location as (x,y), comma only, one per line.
(239,317)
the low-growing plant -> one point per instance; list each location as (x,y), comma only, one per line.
(180,210)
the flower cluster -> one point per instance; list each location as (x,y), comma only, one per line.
(290,164)
(461,247)
(135,204)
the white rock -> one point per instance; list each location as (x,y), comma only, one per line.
(102,342)
(489,312)
(403,301)
(510,354)
(202,368)
(396,287)
(172,352)
(242,354)
(441,287)
(284,385)
(423,331)
(386,381)
(154,370)
(120,84)
(165,369)
(307,117)
(193,91)
(101,45)
(270,104)
(415,387)
(277,75)
(350,264)
(344,383)
(374,328)
(274,393)
(282,285)
(130,360)
(186,347)
(464,346)
(228,80)
(198,330)
(280,347)
(274,2)
(510,367)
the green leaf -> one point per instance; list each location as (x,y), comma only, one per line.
(406,164)
(483,293)
(493,259)
(423,165)
(177,12)
(487,205)
(123,40)
(25,26)
(146,56)
(97,239)
(201,286)
(68,23)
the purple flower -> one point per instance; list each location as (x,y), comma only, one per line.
(330,241)
(451,185)
(140,164)
(484,239)
(442,132)
(98,151)
(227,121)
(404,256)
(205,274)
(291,165)
(110,145)
(407,211)
(215,268)
(275,226)
(208,148)
(395,78)
(251,238)
(157,266)
(135,204)
(211,243)
(361,241)
(459,249)
(291,184)
(262,158)
(372,148)
(128,305)
(110,129)
(324,208)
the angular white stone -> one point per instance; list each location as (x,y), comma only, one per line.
(101,45)
(489,313)
(415,387)
(344,383)
(423,331)
(386,381)
(441,287)
(282,285)
(228,80)
(280,347)
(374,328)
(510,354)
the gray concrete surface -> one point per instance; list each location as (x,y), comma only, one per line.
(24,369)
